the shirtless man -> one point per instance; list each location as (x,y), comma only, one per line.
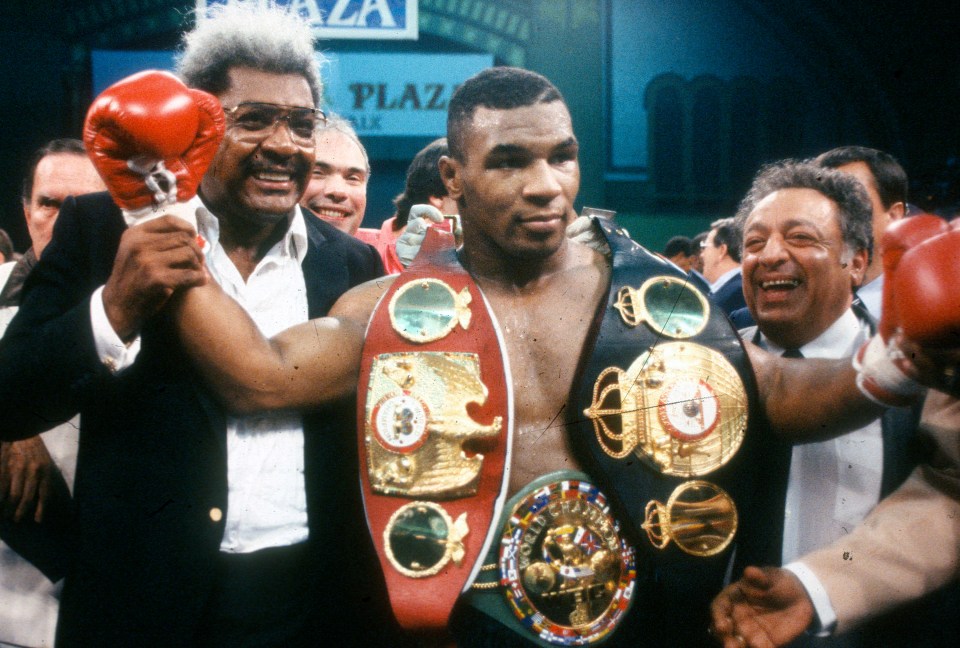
(514,173)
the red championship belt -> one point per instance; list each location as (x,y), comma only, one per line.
(434,429)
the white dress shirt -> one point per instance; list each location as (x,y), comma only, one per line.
(266,504)
(871,294)
(833,484)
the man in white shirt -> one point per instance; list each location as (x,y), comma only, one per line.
(194,527)
(886,185)
(806,245)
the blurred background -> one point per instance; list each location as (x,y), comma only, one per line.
(676,103)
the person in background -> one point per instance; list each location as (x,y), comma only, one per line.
(679,250)
(424,186)
(35,470)
(886,185)
(721,265)
(337,191)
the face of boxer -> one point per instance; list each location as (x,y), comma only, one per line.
(259,174)
(57,176)
(517,182)
(337,191)
(798,274)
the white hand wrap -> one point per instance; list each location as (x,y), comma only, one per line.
(882,374)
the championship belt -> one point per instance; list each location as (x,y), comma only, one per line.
(434,432)
(664,401)
(563,574)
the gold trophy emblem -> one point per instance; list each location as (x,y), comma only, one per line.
(417,424)
(680,406)
(668,305)
(699,517)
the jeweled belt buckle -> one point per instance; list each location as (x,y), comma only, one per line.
(567,572)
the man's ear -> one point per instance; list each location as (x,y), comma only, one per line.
(857,267)
(897,211)
(450,174)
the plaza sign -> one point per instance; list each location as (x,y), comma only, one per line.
(358,19)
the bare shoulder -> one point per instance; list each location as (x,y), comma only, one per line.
(358,303)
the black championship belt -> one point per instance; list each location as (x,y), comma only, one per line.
(663,403)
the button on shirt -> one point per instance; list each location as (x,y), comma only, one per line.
(266,504)
(833,484)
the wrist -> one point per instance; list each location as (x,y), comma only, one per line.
(882,374)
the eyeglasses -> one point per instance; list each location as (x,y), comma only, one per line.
(255,121)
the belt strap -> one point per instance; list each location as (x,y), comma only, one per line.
(434,432)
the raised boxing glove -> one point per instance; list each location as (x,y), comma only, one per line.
(151,139)
(882,369)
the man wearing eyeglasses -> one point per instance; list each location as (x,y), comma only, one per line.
(195,527)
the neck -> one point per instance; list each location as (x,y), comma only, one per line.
(513,272)
(246,242)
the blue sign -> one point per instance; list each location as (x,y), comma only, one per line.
(367,19)
(397,94)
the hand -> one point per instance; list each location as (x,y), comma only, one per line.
(582,231)
(421,218)
(766,608)
(153,261)
(26,474)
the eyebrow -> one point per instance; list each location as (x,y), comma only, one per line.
(326,166)
(515,149)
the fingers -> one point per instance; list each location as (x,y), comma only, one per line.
(428,212)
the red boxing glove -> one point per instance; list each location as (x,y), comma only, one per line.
(899,237)
(152,139)
(927,291)
(883,372)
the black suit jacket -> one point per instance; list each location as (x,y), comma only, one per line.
(730,295)
(152,461)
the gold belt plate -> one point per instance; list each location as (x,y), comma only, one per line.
(680,406)
(417,424)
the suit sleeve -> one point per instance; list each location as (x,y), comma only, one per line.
(909,545)
(48,361)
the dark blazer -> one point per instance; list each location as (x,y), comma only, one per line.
(730,296)
(152,461)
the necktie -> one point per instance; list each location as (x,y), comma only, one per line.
(792,353)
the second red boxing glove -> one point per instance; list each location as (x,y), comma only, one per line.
(927,291)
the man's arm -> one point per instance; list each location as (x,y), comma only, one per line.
(306,365)
(48,359)
(810,399)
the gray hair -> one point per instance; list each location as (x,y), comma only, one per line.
(337,123)
(257,35)
(847,193)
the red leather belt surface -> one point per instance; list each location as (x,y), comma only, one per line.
(434,433)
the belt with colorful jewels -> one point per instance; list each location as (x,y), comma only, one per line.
(664,397)
(563,574)
(434,432)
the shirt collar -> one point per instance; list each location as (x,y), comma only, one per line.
(840,339)
(293,243)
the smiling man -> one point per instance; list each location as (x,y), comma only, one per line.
(807,241)
(337,191)
(195,527)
